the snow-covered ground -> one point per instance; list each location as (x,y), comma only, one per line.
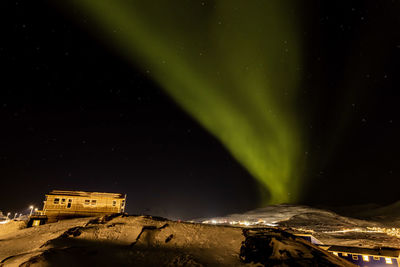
(222,241)
(370,226)
(147,241)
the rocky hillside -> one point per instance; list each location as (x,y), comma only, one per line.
(149,241)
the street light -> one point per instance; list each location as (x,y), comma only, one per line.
(8,214)
(15,216)
(31,207)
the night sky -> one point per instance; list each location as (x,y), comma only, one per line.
(77,114)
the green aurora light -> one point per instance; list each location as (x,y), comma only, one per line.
(232,64)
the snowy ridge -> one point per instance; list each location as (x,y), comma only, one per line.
(147,241)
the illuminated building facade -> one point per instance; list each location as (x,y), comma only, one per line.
(368,257)
(60,204)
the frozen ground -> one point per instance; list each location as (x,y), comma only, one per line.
(222,241)
(147,241)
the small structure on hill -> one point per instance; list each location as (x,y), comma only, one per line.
(61,204)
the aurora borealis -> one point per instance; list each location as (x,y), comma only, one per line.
(233,65)
(200,108)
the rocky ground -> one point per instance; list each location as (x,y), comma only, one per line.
(149,241)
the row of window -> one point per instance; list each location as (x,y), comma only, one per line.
(87,201)
(365,257)
(57,201)
(94,201)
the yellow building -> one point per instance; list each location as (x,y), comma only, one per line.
(60,204)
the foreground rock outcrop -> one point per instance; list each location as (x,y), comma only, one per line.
(151,241)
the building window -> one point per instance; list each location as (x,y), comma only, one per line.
(344,254)
(56,201)
(94,202)
(388,260)
(365,258)
(87,201)
(63,201)
(114,203)
(377,258)
(355,257)
(123,203)
(69,203)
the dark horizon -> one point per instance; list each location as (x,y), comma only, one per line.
(77,115)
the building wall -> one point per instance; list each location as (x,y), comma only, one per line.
(359,261)
(80,205)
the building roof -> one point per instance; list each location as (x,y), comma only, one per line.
(384,252)
(86,194)
(312,238)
